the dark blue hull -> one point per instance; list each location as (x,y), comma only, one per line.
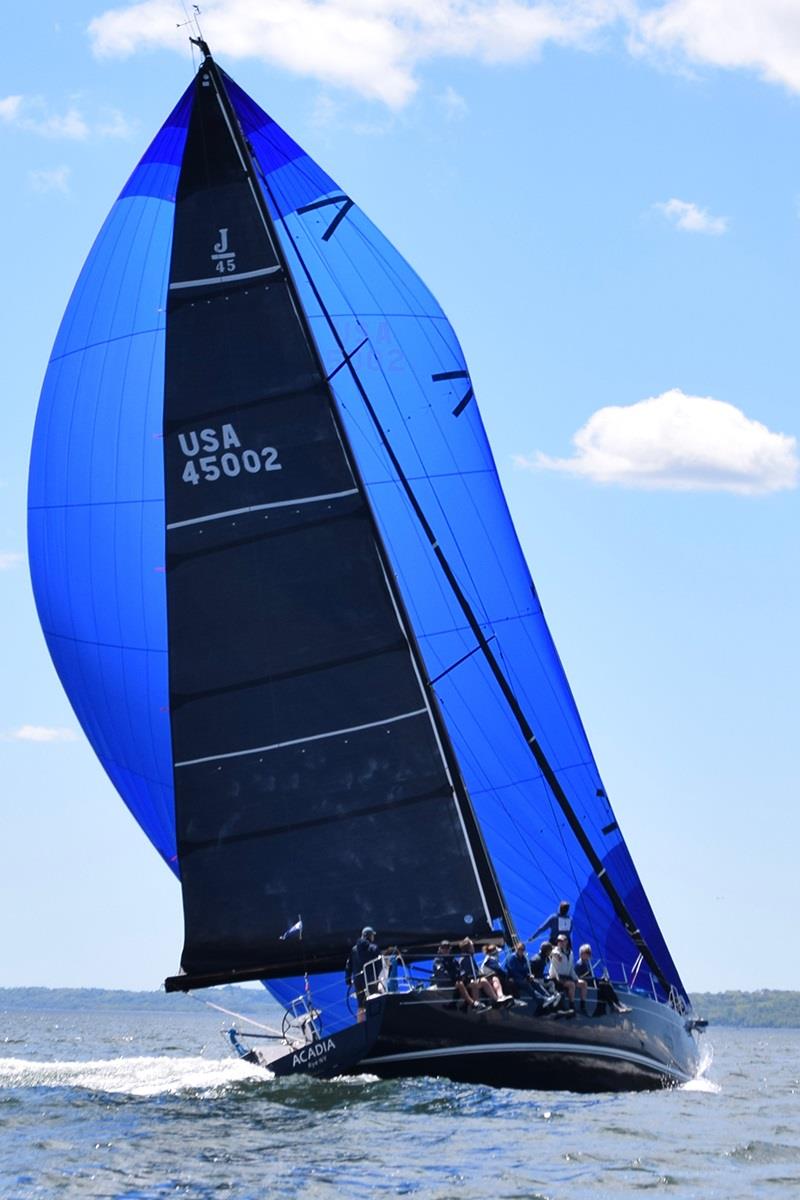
(427,1033)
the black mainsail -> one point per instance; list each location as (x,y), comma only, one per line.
(312,771)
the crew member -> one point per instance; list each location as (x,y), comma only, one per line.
(364,951)
(605,990)
(562,971)
(556,923)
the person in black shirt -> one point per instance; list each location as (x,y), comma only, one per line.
(364,951)
(490,969)
(540,963)
(445,974)
(605,991)
(467,973)
(523,983)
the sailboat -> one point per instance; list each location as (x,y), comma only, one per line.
(278,579)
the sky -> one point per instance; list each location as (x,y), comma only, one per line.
(604,195)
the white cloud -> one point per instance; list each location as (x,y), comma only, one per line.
(10,559)
(690,218)
(33,115)
(679,442)
(9,108)
(40,733)
(69,124)
(375,47)
(757,35)
(372,46)
(113,124)
(453,103)
(325,111)
(53,179)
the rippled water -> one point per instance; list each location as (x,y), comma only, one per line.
(137,1105)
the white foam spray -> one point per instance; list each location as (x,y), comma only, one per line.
(133,1076)
(700,1083)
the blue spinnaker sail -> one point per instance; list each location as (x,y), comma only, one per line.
(97,526)
(96,491)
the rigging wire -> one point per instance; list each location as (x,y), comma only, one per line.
(464,740)
(502,682)
(422,323)
(347,361)
(230,1013)
(558,826)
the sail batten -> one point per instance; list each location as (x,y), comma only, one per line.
(223,280)
(238,512)
(313,737)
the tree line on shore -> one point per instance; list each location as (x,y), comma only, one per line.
(764,1009)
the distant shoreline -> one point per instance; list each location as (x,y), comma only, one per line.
(764,1009)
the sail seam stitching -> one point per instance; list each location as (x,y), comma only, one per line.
(134,333)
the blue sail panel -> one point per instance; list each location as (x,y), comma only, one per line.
(96,492)
(369,309)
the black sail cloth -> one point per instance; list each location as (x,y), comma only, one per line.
(311,774)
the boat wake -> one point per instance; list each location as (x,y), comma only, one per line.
(131,1076)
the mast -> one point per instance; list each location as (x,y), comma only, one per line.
(492,898)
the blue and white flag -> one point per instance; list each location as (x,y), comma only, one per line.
(295,930)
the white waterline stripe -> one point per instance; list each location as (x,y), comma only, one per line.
(236,512)
(191,762)
(192,283)
(534,1048)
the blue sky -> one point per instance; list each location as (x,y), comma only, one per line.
(605,198)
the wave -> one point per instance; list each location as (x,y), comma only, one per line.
(131,1076)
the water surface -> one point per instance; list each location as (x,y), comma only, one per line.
(141,1105)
